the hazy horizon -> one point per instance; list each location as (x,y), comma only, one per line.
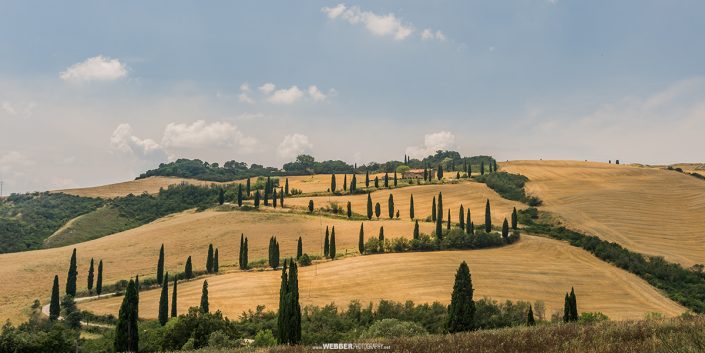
(87,100)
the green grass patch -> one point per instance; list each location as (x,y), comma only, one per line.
(99,223)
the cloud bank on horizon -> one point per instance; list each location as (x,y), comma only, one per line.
(98,102)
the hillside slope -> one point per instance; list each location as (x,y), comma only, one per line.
(533,269)
(647,210)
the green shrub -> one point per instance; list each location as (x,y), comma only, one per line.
(265,338)
(393,328)
(305,260)
(590,317)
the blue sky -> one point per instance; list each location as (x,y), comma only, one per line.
(95,91)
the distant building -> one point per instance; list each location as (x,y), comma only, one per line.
(413,174)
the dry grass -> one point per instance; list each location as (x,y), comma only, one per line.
(533,269)
(135,251)
(470,194)
(647,210)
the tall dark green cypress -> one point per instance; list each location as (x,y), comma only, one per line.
(91,272)
(188,268)
(469,170)
(266,198)
(514,218)
(246,256)
(275,260)
(395,179)
(439,173)
(505,230)
(310,206)
(440,207)
(448,227)
(204,298)
(55,306)
(209,259)
(439,229)
(242,247)
(247,187)
(573,305)
(566,308)
(164,301)
(160,265)
(369,206)
(482,168)
(283,313)
(256,198)
(221,196)
(331,252)
(530,317)
(376,182)
(286,187)
(353,184)
(386,179)
(294,319)
(461,311)
(99,280)
(281,198)
(299,249)
(468,223)
(390,206)
(326,244)
(349,209)
(461,217)
(332,183)
(345,182)
(488,217)
(239,195)
(411,208)
(361,240)
(367,178)
(416,230)
(378,210)
(173,299)
(434,213)
(71,277)
(274,198)
(126,331)
(216,265)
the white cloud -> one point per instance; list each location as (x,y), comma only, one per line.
(245,87)
(316,94)
(243,97)
(442,140)
(286,96)
(98,68)
(124,141)
(17,109)
(380,25)
(200,134)
(294,145)
(429,34)
(267,88)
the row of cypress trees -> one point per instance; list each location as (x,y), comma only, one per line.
(329,248)
(273,252)
(70,288)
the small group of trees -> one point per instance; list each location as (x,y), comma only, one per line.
(70,288)
(212,260)
(289,315)
(273,252)
(570,307)
(329,248)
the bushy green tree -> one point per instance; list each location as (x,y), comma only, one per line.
(126,331)
(461,311)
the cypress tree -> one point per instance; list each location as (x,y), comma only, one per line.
(457,175)
(126,334)
(326,244)
(461,217)
(286,187)
(215,261)
(461,311)
(353,184)
(381,239)
(294,320)
(390,206)
(160,265)
(276,253)
(239,195)
(530,317)
(505,230)
(440,207)
(173,299)
(573,306)
(164,301)
(469,170)
(349,209)
(331,252)
(209,259)
(283,313)
(345,182)
(270,256)
(395,179)
(332,183)
(246,257)
(468,223)
(361,240)
(488,217)
(99,280)
(439,229)
(378,210)
(281,198)
(274,198)
(566,308)
(299,249)
(242,247)
(411,208)
(416,230)
(386,179)
(514,218)
(439,173)
(188,270)
(369,206)
(310,206)
(247,187)
(55,306)
(221,196)
(482,168)
(448,227)
(425,174)
(472,228)
(204,297)
(367,178)
(91,271)
(376,182)
(256,198)
(72,274)
(433,209)
(266,198)
(494,163)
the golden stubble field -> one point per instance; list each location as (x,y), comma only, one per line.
(135,251)
(648,210)
(469,194)
(533,269)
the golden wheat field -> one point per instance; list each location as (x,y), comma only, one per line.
(648,210)
(135,251)
(469,194)
(533,269)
